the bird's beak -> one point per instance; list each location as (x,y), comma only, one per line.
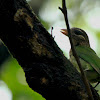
(64,31)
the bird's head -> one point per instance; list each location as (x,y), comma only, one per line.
(79,36)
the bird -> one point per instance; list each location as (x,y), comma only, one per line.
(89,60)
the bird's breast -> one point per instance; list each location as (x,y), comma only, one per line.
(91,74)
(84,64)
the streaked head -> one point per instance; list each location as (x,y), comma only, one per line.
(79,36)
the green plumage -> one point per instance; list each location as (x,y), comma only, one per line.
(89,56)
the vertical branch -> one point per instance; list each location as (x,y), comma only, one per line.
(64,11)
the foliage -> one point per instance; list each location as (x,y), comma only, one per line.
(13,75)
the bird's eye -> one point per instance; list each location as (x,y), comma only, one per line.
(77,32)
(80,34)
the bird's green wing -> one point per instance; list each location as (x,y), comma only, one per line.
(88,55)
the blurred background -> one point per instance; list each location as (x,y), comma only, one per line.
(83,14)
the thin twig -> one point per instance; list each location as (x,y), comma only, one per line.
(64,11)
(51,31)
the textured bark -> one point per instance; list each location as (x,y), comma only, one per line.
(46,69)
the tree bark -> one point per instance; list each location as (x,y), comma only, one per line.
(47,70)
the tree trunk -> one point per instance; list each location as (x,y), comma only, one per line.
(47,70)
